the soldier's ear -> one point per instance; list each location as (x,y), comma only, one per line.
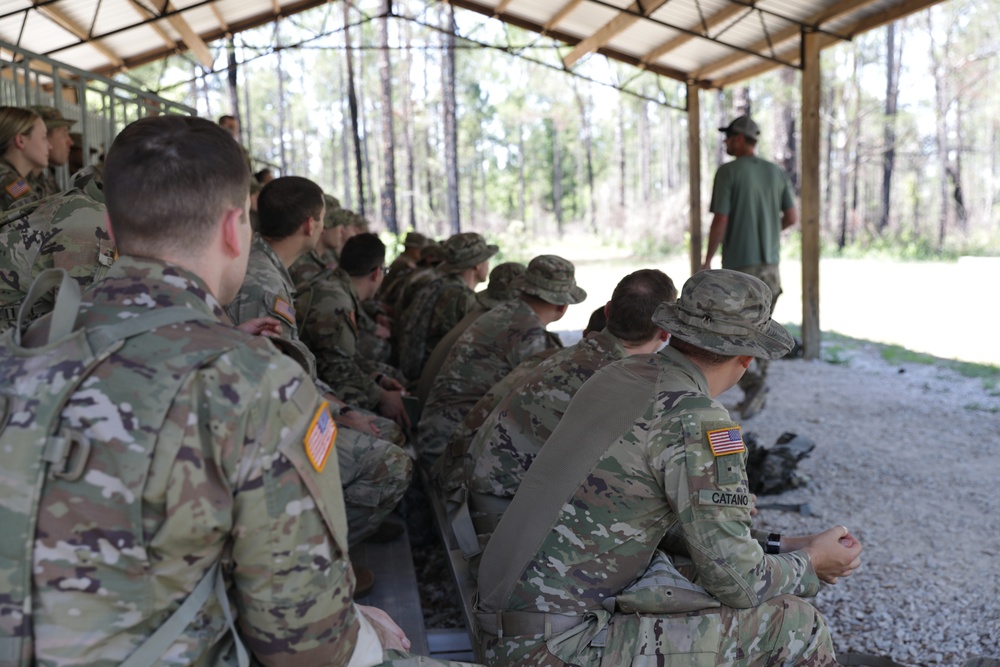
(745,360)
(231,231)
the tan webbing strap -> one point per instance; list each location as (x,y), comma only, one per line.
(572,450)
(67,304)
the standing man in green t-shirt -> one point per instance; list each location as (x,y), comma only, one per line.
(752,203)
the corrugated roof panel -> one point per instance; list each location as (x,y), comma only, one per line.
(41,34)
(138,40)
(117,15)
(639,38)
(240,10)
(537,12)
(84,56)
(586,19)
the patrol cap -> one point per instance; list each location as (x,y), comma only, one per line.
(552,279)
(465,250)
(332,206)
(414,240)
(726,312)
(53,117)
(742,125)
(499,288)
(338,217)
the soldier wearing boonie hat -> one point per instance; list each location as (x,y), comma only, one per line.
(326,254)
(442,303)
(60,143)
(752,203)
(644,450)
(494,344)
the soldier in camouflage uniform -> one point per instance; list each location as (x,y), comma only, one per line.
(327,310)
(210,448)
(24,148)
(375,472)
(508,440)
(60,143)
(573,573)
(326,254)
(66,231)
(442,303)
(494,345)
(407,261)
(497,291)
(401,292)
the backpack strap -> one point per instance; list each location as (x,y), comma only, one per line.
(67,304)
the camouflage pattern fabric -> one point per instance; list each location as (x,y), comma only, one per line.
(217,470)
(512,435)
(15,190)
(435,309)
(371,346)
(308,267)
(441,350)
(489,349)
(66,232)
(592,572)
(327,310)
(44,183)
(375,472)
(400,268)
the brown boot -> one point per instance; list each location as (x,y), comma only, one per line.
(364,581)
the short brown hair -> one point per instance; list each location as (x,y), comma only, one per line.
(285,203)
(635,299)
(167,181)
(705,356)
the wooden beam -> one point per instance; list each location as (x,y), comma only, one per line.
(560,15)
(715,19)
(219,17)
(502,7)
(811,83)
(145,13)
(620,22)
(694,173)
(191,38)
(61,19)
(889,15)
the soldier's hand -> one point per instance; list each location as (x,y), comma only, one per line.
(389,634)
(391,406)
(261,326)
(835,553)
(382,331)
(359,422)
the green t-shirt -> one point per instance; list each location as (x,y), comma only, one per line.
(753,193)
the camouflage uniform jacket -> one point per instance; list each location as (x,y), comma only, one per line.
(306,268)
(218,470)
(489,349)
(509,439)
(327,308)
(659,474)
(440,352)
(45,183)
(15,190)
(435,309)
(65,232)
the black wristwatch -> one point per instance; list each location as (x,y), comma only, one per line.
(773,544)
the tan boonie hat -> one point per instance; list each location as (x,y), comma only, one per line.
(499,288)
(465,250)
(742,125)
(332,206)
(414,240)
(53,117)
(551,279)
(726,312)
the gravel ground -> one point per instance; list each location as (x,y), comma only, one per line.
(906,458)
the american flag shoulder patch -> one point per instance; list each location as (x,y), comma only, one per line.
(284,309)
(18,188)
(320,438)
(725,441)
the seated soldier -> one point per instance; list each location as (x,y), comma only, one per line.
(63,232)
(397,298)
(60,143)
(407,261)
(509,439)
(197,473)
(24,149)
(327,310)
(375,472)
(574,575)
(493,345)
(497,291)
(442,303)
(326,254)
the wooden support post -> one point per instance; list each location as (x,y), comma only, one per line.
(694,173)
(810,194)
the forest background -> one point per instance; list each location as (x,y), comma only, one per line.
(425,118)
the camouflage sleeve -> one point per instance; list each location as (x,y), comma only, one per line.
(449,310)
(253,301)
(293,582)
(712,500)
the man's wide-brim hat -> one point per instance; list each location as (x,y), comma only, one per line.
(552,279)
(726,312)
(465,250)
(500,288)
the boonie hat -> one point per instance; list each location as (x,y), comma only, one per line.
(465,250)
(53,117)
(432,253)
(742,125)
(332,206)
(414,240)
(726,312)
(338,217)
(499,288)
(551,279)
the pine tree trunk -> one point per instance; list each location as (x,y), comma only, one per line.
(281,99)
(352,101)
(557,176)
(644,151)
(894,52)
(408,130)
(521,185)
(388,136)
(450,119)
(620,151)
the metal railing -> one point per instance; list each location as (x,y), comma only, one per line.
(101,106)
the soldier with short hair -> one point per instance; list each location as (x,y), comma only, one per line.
(60,143)
(574,573)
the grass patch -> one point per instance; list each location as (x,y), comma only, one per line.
(979,407)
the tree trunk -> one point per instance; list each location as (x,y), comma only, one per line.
(557,176)
(247,123)
(894,53)
(789,159)
(408,129)
(388,137)
(644,151)
(352,101)
(521,185)
(428,171)
(620,150)
(938,70)
(450,119)
(831,132)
